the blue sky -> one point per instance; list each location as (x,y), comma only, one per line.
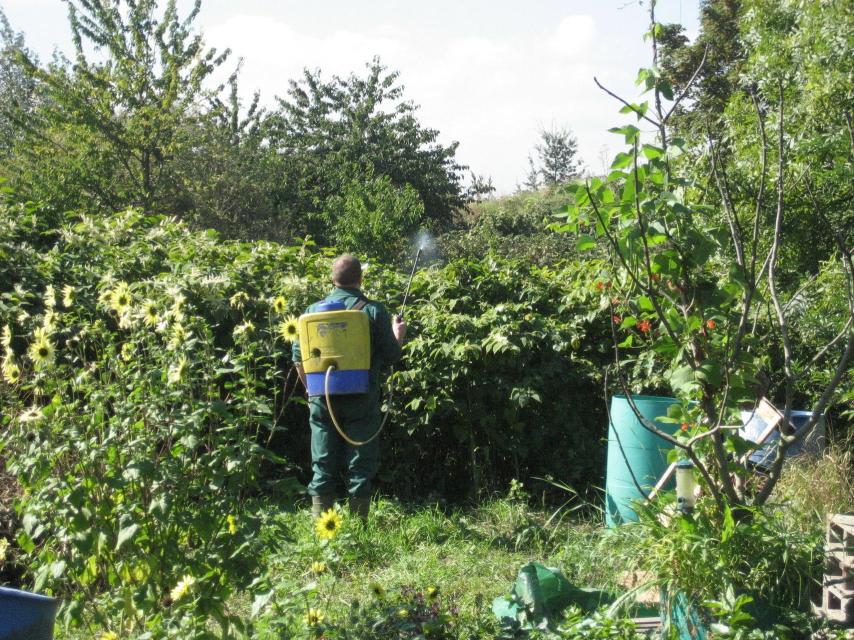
(487,74)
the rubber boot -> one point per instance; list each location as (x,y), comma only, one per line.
(360,507)
(320,504)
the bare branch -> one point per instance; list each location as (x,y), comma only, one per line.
(688,86)
(729,209)
(629,105)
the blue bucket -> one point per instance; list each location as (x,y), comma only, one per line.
(26,616)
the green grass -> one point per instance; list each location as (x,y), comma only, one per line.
(470,555)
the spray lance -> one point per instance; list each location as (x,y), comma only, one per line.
(409,284)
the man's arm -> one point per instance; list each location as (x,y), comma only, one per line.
(398,328)
(390,334)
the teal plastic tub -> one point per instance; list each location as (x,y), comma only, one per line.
(634,450)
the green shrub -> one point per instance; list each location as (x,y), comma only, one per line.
(165,388)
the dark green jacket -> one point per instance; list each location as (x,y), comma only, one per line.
(385,350)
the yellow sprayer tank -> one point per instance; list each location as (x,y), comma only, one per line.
(334,336)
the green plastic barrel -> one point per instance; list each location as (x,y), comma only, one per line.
(643,454)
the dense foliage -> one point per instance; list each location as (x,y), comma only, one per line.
(149,401)
(135,119)
(148,361)
(707,270)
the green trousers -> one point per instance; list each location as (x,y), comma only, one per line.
(359,417)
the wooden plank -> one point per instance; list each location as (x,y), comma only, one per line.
(668,473)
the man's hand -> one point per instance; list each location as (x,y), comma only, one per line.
(398,328)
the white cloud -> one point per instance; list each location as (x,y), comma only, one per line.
(492,94)
(573,36)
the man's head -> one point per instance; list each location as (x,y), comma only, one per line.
(347,272)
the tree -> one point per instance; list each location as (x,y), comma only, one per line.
(557,155)
(374,217)
(108,128)
(334,132)
(698,287)
(18,90)
(532,180)
(480,188)
(228,174)
(716,57)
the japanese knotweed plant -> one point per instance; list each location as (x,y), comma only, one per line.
(694,281)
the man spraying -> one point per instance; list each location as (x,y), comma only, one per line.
(357,414)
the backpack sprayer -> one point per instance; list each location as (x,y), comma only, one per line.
(337,342)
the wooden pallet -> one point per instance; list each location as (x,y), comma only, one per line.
(647,626)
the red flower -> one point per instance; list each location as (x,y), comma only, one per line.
(600,286)
(685,426)
(711,324)
(616,319)
(644,325)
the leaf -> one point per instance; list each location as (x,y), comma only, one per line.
(584,243)
(638,109)
(260,602)
(622,161)
(682,379)
(652,152)
(729,525)
(710,373)
(629,131)
(126,534)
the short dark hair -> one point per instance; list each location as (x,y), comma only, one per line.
(346,271)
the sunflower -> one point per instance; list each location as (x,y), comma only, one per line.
(182,588)
(68,296)
(177,371)
(41,349)
(128,350)
(279,305)
(6,339)
(314,618)
(32,414)
(109,635)
(121,298)
(149,313)
(378,591)
(178,337)
(318,567)
(49,297)
(328,524)
(4,545)
(290,329)
(11,372)
(238,300)
(245,328)
(432,592)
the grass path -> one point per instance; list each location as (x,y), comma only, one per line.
(471,556)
